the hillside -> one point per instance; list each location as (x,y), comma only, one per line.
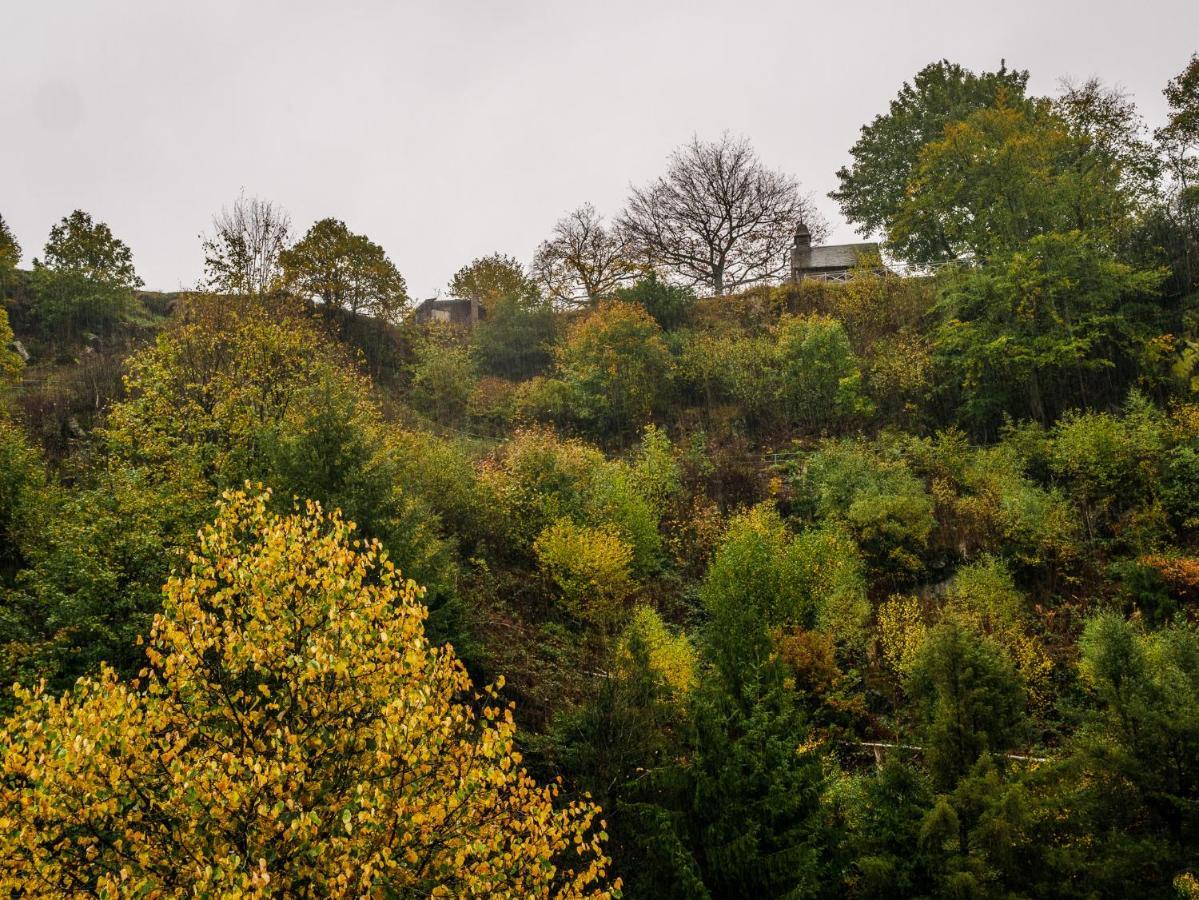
(876,586)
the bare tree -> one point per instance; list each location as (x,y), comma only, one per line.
(718,219)
(584,260)
(241,256)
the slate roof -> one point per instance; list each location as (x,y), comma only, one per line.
(832,256)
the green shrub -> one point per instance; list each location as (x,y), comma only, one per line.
(443,379)
(819,378)
(884,505)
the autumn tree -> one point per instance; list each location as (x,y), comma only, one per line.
(718,219)
(241,253)
(616,366)
(344,271)
(490,278)
(584,260)
(294,732)
(11,363)
(885,155)
(1003,176)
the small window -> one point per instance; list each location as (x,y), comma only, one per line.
(441,315)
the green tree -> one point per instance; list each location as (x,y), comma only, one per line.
(344,271)
(874,185)
(22,483)
(1113,133)
(1003,176)
(629,726)
(68,304)
(515,338)
(86,281)
(971,699)
(742,815)
(819,379)
(752,821)
(80,246)
(1026,334)
(540,479)
(881,813)
(1144,736)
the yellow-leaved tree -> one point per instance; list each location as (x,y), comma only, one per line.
(294,734)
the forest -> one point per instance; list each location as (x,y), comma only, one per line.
(670,576)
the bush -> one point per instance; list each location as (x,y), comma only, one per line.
(819,379)
(617,367)
(492,404)
(443,379)
(886,508)
(670,656)
(540,479)
(441,473)
(590,566)
(984,598)
(1110,465)
(764,578)
(669,304)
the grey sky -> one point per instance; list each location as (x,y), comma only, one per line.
(446,130)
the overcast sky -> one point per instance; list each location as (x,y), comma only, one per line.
(447,130)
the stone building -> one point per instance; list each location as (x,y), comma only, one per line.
(454,310)
(829,262)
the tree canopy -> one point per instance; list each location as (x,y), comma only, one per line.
(294,732)
(343,271)
(886,153)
